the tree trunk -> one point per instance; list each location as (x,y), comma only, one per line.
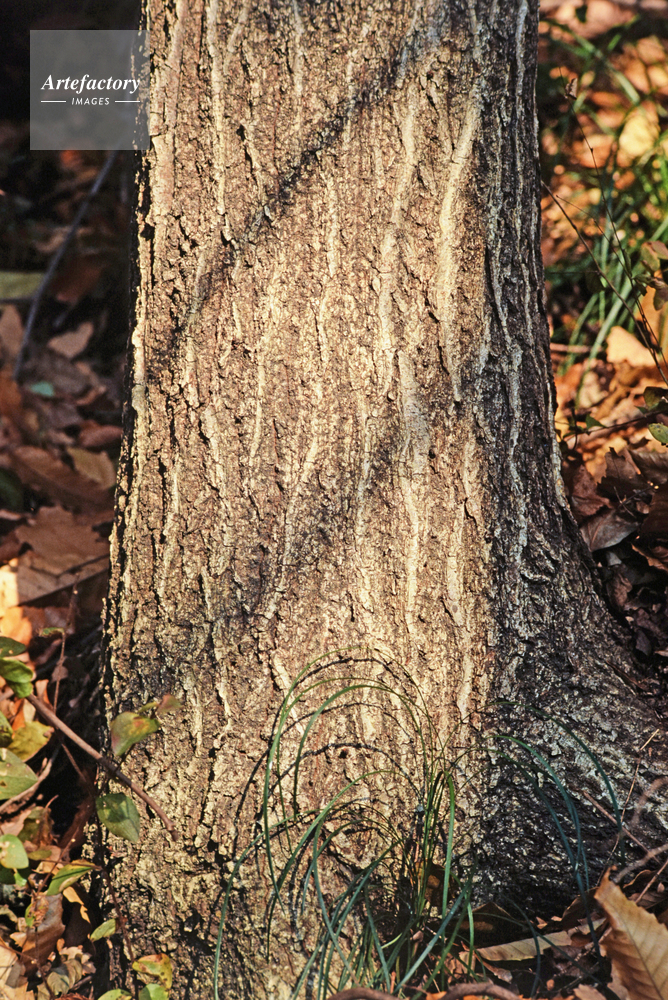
(340,429)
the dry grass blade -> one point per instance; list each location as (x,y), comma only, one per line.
(637,944)
(520,951)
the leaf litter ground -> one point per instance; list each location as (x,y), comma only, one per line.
(60,440)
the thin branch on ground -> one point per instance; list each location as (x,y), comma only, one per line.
(24,350)
(569,348)
(645,797)
(638,864)
(107,764)
(624,829)
(599,432)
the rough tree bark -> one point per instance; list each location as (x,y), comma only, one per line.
(340,427)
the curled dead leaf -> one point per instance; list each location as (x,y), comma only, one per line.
(637,944)
(584,495)
(607,528)
(49,475)
(37,942)
(655,525)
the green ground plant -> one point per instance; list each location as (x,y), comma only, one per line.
(393,889)
(33,879)
(615,195)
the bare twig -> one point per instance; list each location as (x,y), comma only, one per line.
(652,881)
(569,348)
(120,915)
(107,764)
(55,261)
(645,797)
(69,627)
(638,864)
(598,432)
(625,830)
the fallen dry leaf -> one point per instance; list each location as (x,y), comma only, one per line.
(11,331)
(15,625)
(520,951)
(10,397)
(49,475)
(583,492)
(61,542)
(64,549)
(95,465)
(608,528)
(601,16)
(655,525)
(637,944)
(73,343)
(94,436)
(657,319)
(38,942)
(13,985)
(623,346)
(9,592)
(639,135)
(585,992)
(653,465)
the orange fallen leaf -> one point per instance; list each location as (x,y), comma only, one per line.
(14,625)
(623,346)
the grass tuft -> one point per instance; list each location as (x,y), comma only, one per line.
(370,881)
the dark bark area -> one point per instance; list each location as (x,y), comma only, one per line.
(340,428)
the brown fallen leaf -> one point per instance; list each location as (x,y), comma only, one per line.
(653,465)
(655,525)
(520,951)
(74,342)
(64,549)
(608,528)
(94,465)
(576,912)
(37,942)
(61,542)
(15,625)
(10,397)
(657,556)
(656,318)
(11,332)
(49,475)
(583,493)
(95,436)
(9,594)
(637,944)
(621,479)
(13,984)
(585,992)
